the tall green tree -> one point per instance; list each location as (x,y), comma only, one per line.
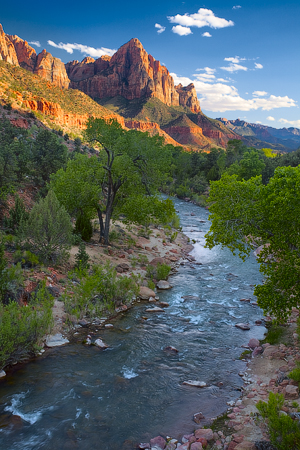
(246,214)
(129,165)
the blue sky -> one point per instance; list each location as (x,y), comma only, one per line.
(244,57)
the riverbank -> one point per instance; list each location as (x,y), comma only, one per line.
(241,427)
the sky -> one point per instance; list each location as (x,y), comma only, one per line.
(243,58)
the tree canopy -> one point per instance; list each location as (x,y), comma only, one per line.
(246,214)
(127,172)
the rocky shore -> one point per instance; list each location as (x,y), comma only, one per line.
(241,427)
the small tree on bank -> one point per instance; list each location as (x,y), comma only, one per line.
(48,231)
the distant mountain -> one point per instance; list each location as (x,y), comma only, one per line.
(286,137)
(130,86)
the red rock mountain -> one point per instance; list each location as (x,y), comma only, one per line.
(131,73)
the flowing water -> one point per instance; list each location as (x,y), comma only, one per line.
(79,397)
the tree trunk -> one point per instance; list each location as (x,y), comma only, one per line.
(101,237)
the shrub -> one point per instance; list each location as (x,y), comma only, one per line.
(83,226)
(284,432)
(102,289)
(48,231)
(17,215)
(82,258)
(22,328)
(162,271)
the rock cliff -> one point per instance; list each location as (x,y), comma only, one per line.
(18,52)
(131,73)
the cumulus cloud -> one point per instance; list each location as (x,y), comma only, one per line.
(271,118)
(258,66)
(234,68)
(208,74)
(295,123)
(236,7)
(203,18)
(160,28)
(182,31)
(206,34)
(220,97)
(36,43)
(90,51)
(259,93)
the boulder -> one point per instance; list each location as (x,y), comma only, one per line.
(162,284)
(171,349)
(171,446)
(123,267)
(156,261)
(158,443)
(145,293)
(253,343)
(257,351)
(185,446)
(99,343)
(196,446)
(198,384)
(206,433)
(2,374)
(198,416)
(269,350)
(291,392)
(56,340)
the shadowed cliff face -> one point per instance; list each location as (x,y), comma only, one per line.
(131,73)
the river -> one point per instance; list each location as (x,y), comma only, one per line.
(78,397)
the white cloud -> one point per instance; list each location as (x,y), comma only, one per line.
(236,7)
(295,123)
(90,51)
(203,18)
(206,34)
(36,43)
(271,118)
(235,59)
(258,66)
(219,97)
(258,121)
(207,76)
(234,68)
(182,31)
(259,93)
(160,28)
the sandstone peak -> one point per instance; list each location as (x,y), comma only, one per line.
(188,97)
(87,60)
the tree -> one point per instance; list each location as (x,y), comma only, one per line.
(249,166)
(129,165)
(246,214)
(48,231)
(49,155)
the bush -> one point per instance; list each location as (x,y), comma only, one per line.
(26,258)
(82,258)
(22,328)
(284,432)
(102,289)
(162,271)
(17,215)
(83,226)
(48,231)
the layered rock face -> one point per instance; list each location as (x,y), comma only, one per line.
(7,49)
(18,52)
(188,97)
(130,73)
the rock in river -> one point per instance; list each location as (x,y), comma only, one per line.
(146,293)
(243,326)
(199,384)
(99,343)
(155,309)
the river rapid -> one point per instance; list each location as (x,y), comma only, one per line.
(80,397)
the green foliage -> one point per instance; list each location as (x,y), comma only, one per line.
(162,271)
(151,285)
(270,215)
(284,432)
(269,152)
(49,155)
(100,290)
(82,258)
(26,258)
(48,231)
(22,328)
(274,334)
(83,226)
(17,215)
(295,375)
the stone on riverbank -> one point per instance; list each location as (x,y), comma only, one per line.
(146,293)
(193,383)
(253,343)
(56,340)
(99,343)
(198,416)
(162,284)
(2,374)
(206,433)
(158,443)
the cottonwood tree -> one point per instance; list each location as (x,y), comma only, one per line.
(129,165)
(246,214)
